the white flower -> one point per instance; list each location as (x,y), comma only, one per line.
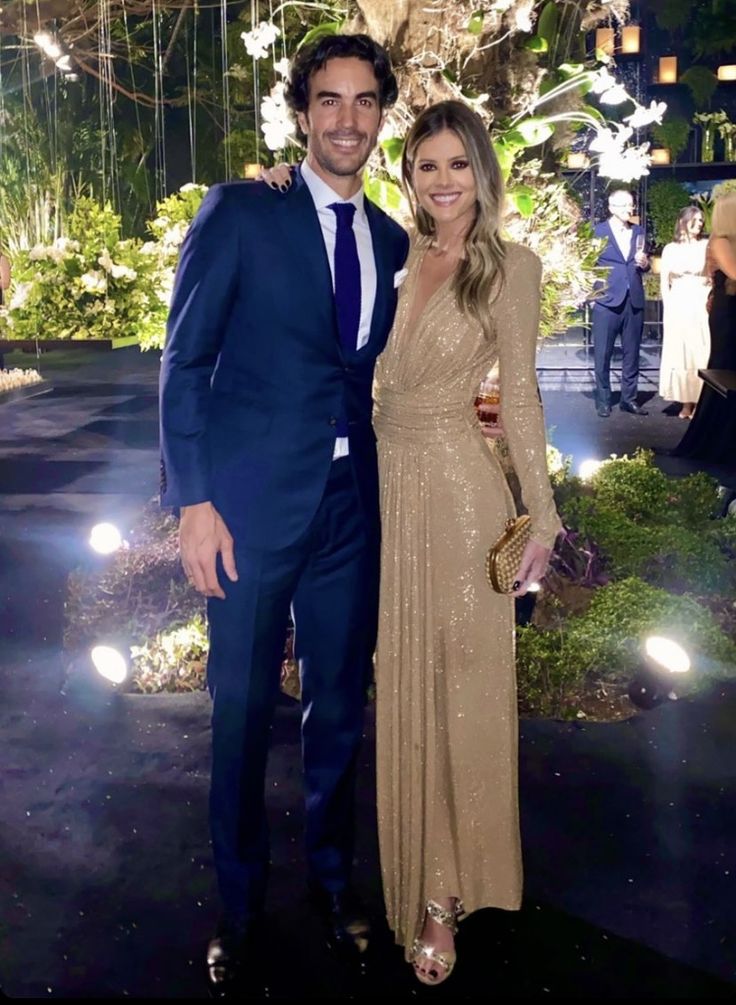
(625,165)
(603,81)
(276,124)
(20,295)
(93,282)
(522,15)
(615,95)
(105,261)
(123,272)
(282,67)
(174,236)
(38,253)
(66,245)
(606,141)
(192,186)
(149,248)
(646,116)
(258,40)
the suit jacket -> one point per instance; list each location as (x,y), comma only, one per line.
(624,276)
(253,377)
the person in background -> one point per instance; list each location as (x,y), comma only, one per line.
(685,332)
(711,436)
(619,310)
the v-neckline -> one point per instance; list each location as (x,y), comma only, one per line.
(430,298)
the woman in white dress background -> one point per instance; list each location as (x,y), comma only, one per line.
(685,288)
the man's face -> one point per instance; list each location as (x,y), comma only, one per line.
(343,118)
(621,207)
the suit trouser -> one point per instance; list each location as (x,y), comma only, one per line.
(330,579)
(608,322)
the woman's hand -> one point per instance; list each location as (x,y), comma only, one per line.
(277,177)
(533,567)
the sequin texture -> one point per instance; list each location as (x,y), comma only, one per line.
(446,689)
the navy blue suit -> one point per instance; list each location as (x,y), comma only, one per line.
(253,384)
(618,310)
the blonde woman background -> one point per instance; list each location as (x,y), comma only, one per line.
(711,435)
(686,335)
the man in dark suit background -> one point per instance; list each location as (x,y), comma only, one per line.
(281,305)
(620,308)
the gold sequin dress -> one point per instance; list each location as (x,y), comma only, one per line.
(446,690)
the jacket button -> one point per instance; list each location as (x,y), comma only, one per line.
(333,420)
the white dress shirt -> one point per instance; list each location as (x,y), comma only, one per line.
(622,232)
(323,196)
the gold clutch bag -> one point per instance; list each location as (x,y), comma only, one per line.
(504,558)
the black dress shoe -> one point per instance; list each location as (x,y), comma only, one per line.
(233,958)
(633,408)
(345,919)
(603,411)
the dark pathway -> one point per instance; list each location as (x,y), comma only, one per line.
(106,886)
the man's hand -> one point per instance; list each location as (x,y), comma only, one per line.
(202,534)
(641,260)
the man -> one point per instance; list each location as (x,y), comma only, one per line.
(281,305)
(620,308)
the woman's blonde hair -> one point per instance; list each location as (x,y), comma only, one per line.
(480,275)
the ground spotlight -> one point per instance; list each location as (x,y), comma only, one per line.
(109,663)
(653,683)
(105,538)
(588,468)
(533,588)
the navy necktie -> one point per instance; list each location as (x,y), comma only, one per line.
(347,276)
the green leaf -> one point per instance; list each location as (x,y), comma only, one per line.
(449,75)
(321,31)
(522,198)
(506,155)
(534,130)
(548,21)
(570,69)
(393,148)
(385,194)
(536,44)
(475,24)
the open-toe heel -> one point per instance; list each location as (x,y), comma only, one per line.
(424,950)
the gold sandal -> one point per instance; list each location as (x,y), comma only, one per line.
(447,960)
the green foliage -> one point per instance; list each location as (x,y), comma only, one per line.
(647,524)
(603,646)
(89,285)
(702,83)
(173,660)
(673,133)
(548,22)
(475,24)
(665,200)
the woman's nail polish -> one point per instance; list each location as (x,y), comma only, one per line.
(517,584)
(284,188)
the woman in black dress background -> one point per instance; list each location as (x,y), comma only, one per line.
(711,435)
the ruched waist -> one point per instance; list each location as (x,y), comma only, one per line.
(417,417)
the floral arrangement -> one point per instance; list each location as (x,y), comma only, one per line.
(11,380)
(90,284)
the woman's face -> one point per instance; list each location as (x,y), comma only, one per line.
(443,179)
(695,225)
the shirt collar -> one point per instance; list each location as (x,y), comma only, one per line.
(323,196)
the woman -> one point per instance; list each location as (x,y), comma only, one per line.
(685,288)
(446,696)
(711,435)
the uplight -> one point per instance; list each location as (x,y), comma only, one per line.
(109,663)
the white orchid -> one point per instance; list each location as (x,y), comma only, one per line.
(603,80)
(105,261)
(66,245)
(276,125)
(646,116)
(625,165)
(38,253)
(282,67)
(615,95)
(259,39)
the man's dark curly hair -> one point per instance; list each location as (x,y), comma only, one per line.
(313,57)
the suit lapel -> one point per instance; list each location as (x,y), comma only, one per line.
(384,271)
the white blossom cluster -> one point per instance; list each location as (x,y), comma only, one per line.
(276,122)
(12,379)
(259,39)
